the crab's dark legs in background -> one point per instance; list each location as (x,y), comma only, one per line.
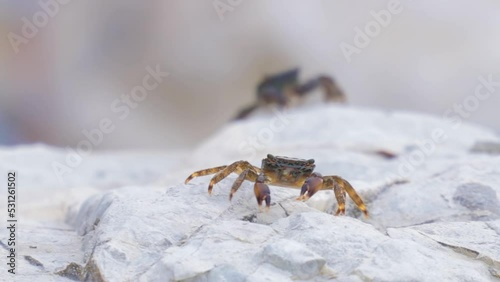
(332,91)
(281,88)
(246,111)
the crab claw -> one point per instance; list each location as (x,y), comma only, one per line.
(267,199)
(312,185)
(262,193)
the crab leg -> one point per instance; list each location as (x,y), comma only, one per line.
(332,91)
(204,172)
(340,186)
(246,111)
(247,174)
(261,190)
(237,167)
(340,195)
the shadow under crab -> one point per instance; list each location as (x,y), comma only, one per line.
(284,172)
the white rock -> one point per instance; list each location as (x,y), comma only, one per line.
(294,257)
(437,221)
(475,239)
(46,245)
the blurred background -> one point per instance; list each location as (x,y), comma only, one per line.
(87,54)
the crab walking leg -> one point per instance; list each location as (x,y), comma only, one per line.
(237,167)
(262,192)
(313,184)
(332,91)
(347,187)
(204,172)
(246,111)
(247,174)
(237,183)
(340,195)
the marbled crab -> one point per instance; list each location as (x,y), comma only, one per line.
(285,172)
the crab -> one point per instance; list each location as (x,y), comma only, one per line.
(281,88)
(285,172)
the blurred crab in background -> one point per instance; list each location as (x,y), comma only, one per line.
(281,88)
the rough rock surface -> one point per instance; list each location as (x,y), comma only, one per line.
(48,248)
(434,208)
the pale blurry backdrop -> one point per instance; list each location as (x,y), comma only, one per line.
(65,79)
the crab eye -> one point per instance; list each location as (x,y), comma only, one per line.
(310,161)
(271,157)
